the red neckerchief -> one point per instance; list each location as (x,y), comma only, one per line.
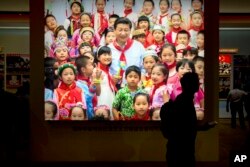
(147,33)
(75,19)
(71,96)
(154,89)
(196,28)
(147,77)
(122,56)
(171,65)
(161,17)
(145,117)
(105,69)
(67,87)
(127,12)
(74,94)
(103,22)
(87,80)
(158,46)
(82,78)
(176,30)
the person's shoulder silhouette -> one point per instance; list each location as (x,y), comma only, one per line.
(179,115)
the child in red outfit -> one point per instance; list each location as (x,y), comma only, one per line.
(141,107)
(67,93)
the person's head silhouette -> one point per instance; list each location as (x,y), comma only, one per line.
(190,82)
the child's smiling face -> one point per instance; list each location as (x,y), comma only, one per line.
(141,105)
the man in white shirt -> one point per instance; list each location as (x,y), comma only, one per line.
(125,51)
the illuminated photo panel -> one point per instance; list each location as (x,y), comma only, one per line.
(120,60)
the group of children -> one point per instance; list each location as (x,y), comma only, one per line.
(80,56)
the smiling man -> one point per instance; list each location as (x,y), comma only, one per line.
(125,51)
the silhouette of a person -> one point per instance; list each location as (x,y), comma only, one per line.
(8,127)
(179,124)
(236,98)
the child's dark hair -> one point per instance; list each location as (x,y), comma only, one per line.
(59,28)
(133,2)
(138,36)
(102,50)
(53,104)
(183,32)
(143,18)
(49,72)
(141,94)
(133,68)
(72,60)
(92,54)
(179,2)
(84,44)
(87,14)
(99,118)
(183,62)
(114,16)
(79,4)
(84,111)
(176,14)
(198,58)
(81,61)
(199,0)
(47,16)
(151,112)
(191,50)
(166,1)
(155,58)
(168,45)
(201,32)
(122,20)
(107,30)
(195,12)
(164,70)
(151,1)
(103,0)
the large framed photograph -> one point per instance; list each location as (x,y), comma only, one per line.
(101,57)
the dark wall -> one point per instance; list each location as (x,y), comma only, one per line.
(236,39)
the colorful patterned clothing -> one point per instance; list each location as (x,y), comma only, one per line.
(123,101)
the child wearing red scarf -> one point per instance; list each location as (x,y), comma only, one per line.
(87,83)
(108,87)
(100,19)
(67,93)
(158,33)
(195,27)
(73,22)
(87,35)
(175,21)
(163,16)
(60,51)
(159,93)
(176,7)
(141,106)
(168,58)
(85,21)
(143,23)
(148,11)
(150,58)
(128,12)
(196,5)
